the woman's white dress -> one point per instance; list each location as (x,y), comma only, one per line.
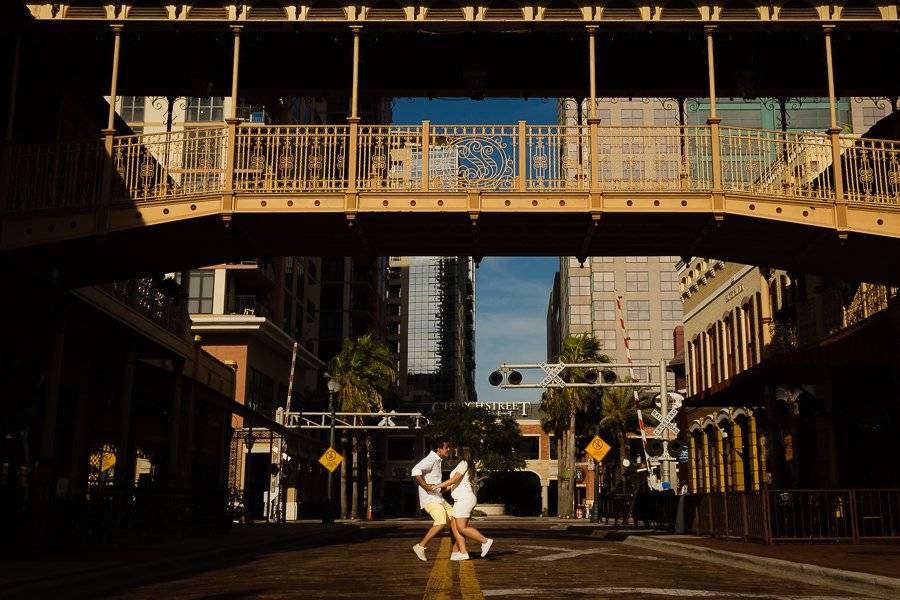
(463,495)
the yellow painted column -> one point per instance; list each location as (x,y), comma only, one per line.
(593,121)
(737,461)
(353,120)
(695,463)
(706,460)
(713,122)
(755,469)
(720,454)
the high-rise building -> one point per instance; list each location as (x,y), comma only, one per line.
(431,327)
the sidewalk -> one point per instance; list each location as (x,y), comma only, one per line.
(92,571)
(866,568)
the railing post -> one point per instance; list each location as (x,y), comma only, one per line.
(594,130)
(352,154)
(834,134)
(108,135)
(854,530)
(593,121)
(426,158)
(523,160)
(713,121)
(228,186)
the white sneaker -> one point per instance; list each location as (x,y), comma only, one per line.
(485,547)
(420,552)
(459,556)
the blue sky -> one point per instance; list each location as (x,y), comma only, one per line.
(511,293)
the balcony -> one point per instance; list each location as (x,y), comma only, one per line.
(252,272)
(248,305)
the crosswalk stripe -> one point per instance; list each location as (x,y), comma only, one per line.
(439,581)
(468,582)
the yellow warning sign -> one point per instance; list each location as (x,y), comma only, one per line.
(331,460)
(597,448)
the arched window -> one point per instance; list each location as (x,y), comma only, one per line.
(267,10)
(680,10)
(445,10)
(386,10)
(620,10)
(563,10)
(739,10)
(503,9)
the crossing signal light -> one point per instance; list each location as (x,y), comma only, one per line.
(495,378)
(675,448)
(591,375)
(654,447)
(514,378)
(609,376)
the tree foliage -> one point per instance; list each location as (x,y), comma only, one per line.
(491,438)
(366,372)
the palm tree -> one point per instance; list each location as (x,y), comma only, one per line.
(366,371)
(562,405)
(619,415)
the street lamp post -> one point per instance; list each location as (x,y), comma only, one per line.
(333,388)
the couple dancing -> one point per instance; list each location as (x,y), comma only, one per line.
(428,475)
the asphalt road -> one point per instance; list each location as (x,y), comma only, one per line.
(529,559)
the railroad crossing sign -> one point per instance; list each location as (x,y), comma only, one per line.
(597,448)
(331,459)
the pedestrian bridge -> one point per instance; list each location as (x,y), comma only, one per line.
(759,196)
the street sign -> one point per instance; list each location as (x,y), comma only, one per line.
(597,448)
(683,457)
(331,459)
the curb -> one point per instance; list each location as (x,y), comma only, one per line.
(889,586)
(105,580)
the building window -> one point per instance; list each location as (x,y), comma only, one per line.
(310,311)
(260,392)
(132,109)
(554,451)
(605,117)
(637,281)
(580,314)
(579,286)
(671,310)
(200,292)
(635,259)
(529,447)
(639,339)
(668,339)
(668,281)
(632,116)
(574,264)
(665,117)
(205,109)
(637,310)
(602,259)
(606,337)
(669,259)
(604,281)
(401,448)
(604,310)
(873,114)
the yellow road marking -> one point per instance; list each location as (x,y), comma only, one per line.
(468,581)
(439,582)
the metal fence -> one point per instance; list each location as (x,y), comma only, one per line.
(798,515)
(107,514)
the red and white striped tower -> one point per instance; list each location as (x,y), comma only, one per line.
(637,400)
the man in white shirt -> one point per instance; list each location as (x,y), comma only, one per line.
(428,474)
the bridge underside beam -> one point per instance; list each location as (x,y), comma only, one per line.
(174,245)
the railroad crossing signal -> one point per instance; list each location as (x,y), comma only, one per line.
(331,459)
(597,448)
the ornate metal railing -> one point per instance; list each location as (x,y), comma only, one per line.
(147,298)
(450,158)
(792,515)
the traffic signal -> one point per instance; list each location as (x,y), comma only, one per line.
(609,376)
(591,375)
(514,378)
(495,378)
(654,447)
(675,448)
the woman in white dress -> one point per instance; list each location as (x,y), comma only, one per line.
(464,500)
